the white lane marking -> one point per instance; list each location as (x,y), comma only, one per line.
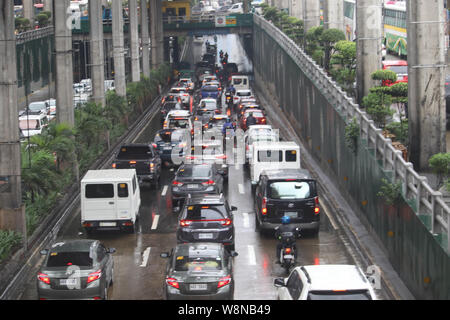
(251,255)
(241,188)
(145,256)
(246,220)
(164,190)
(155,222)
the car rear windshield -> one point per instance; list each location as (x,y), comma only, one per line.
(178,123)
(256,114)
(210,89)
(197,263)
(169,136)
(290,190)
(99,191)
(205,212)
(195,172)
(135,152)
(339,295)
(399,69)
(64,259)
(244,94)
(270,156)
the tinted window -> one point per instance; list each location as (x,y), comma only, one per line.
(197,263)
(290,190)
(244,94)
(178,123)
(294,285)
(99,191)
(135,152)
(122,190)
(256,114)
(342,295)
(205,212)
(163,136)
(291,156)
(198,172)
(63,259)
(210,89)
(270,156)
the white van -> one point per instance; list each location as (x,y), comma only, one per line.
(32,123)
(110,199)
(273,156)
(240,82)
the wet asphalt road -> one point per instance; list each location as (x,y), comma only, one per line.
(139,271)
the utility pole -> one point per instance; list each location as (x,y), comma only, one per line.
(28,11)
(297,9)
(333,14)
(134,41)
(97,52)
(12,213)
(311,14)
(368,43)
(156,33)
(64,63)
(426,78)
(145,38)
(118,48)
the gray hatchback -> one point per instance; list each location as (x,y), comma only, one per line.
(199,271)
(76,269)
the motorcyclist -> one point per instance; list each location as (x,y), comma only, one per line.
(228,125)
(280,234)
(251,120)
(231,89)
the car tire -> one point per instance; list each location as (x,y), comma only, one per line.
(105,293)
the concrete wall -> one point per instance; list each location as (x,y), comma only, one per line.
(415,254)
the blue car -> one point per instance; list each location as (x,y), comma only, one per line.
(168,141)
(210,92)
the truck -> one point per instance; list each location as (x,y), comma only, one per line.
(110,200)
(143,158)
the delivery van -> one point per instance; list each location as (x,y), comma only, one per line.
(240,82)
(110,200)
(268,155)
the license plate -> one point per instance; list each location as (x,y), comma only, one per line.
(205,235)
(198,286)
(288,256)
(192,186)
(291,214)
(167,148)
(68,282)
(108,224)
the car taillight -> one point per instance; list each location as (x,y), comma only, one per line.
(94,276)
(287,250)
(225,222)
(173,283)
(132,162)
(44,278)
(247,147)
(224,281)
(264,208)
(152,166)
(114,165)
(316,207)
(177,183)
(185,223)
(263,120)
(222,156)
(154,145)
(208,183)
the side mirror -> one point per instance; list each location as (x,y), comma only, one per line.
(165,255)
(233,208)
(44,252)
(234,254)
(278,282)
(112,250)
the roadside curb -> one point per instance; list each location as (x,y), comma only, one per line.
(351,225)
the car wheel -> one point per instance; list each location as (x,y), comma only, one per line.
(105,293)
(111,282)
(257,225)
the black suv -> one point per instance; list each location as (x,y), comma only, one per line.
(289,192)
(206,218)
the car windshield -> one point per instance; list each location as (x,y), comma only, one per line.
(134,152)
(205,212)
(195,172)
(210,105)
(29,124)
(37,106)
(72,258)
(168,136)
(339,295)
(290,190)
(197,263)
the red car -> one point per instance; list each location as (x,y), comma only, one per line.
(257,114)
(400,67)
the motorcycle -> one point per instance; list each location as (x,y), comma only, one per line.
(288,249)
(229,101)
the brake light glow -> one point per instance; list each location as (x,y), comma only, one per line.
(94,276)
(225,222)
(44,278)
(224,281)
(185,223)
(208,183)
(173,283)
(222,156)
(114,165)
(287,250)
(316,207)
(132,162)
(264,208)
(154,145)
(177,183)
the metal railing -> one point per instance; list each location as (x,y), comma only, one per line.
(34,34)
(416,189)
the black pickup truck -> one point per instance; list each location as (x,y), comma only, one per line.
(143,158)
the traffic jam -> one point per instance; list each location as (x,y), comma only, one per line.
(215,190)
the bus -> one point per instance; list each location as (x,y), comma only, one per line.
(176,8)
(394,19)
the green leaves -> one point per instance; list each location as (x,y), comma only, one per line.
(8,240)
(352,133)
(440,165)
(390,192)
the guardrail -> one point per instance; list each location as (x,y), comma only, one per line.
(416,189)
(34,34)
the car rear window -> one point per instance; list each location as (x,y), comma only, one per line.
(64,259)
(197,263)
(291,155)
(399,69)
(196,172)
(290,190)
(244,94)
(205,212)
(134,152)
(270,156)
(210,89)
(178,123)
(256,114)
(163,136)
(340,295)
(99,191)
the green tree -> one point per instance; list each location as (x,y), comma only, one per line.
(343,64)
(328,40)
